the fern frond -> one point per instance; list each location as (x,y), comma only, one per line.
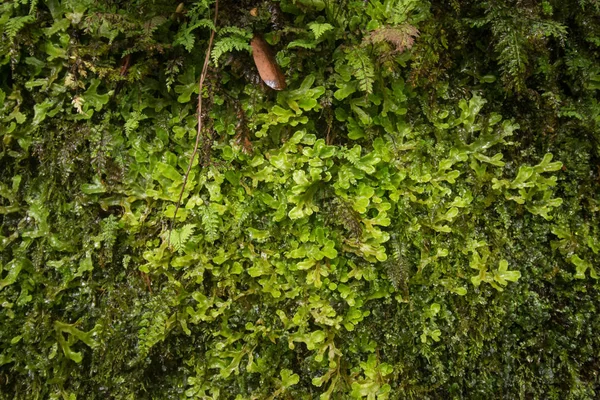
(185,36)
(110,229)
(15,24)
(179,237)
(304,43)
(210,224)
(153,23)
(33,7)
(319,29)
(515,33)
(402,10)
(154,326)
(230,43)
(240,214)
(401,37)
(549,28)
(349,218)
(133,121)
(362,68)
(512,55)
(353,155)
(397,266)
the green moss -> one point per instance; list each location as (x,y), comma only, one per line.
(415,216)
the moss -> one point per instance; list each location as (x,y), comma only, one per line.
(402,221)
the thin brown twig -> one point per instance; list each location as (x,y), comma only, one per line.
(199,131)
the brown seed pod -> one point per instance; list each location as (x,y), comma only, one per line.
(266,64)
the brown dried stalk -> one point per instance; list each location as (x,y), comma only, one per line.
(199,132)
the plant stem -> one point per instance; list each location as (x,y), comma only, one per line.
(199,131)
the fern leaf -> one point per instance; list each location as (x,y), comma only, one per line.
(513,39)
(349,218)
(133,121)
(210,224)
(14,25)
(397,267)
(180,237)
(548,29)
(319,29)
(154,325)
(363,68)
(401,37)
(240,214)
(512,57)
(353,155)
(403,9)
(33,6)
(304,43)
(187,41)
(185,36)
(186,232)
(228,44)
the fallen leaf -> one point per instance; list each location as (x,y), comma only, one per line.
(266,64)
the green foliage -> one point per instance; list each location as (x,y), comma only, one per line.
(237,39)
(14,25)
(516,33)
(396,223)
(362,68)
(186,35)
(401,37)
(179,237)
(319,29)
